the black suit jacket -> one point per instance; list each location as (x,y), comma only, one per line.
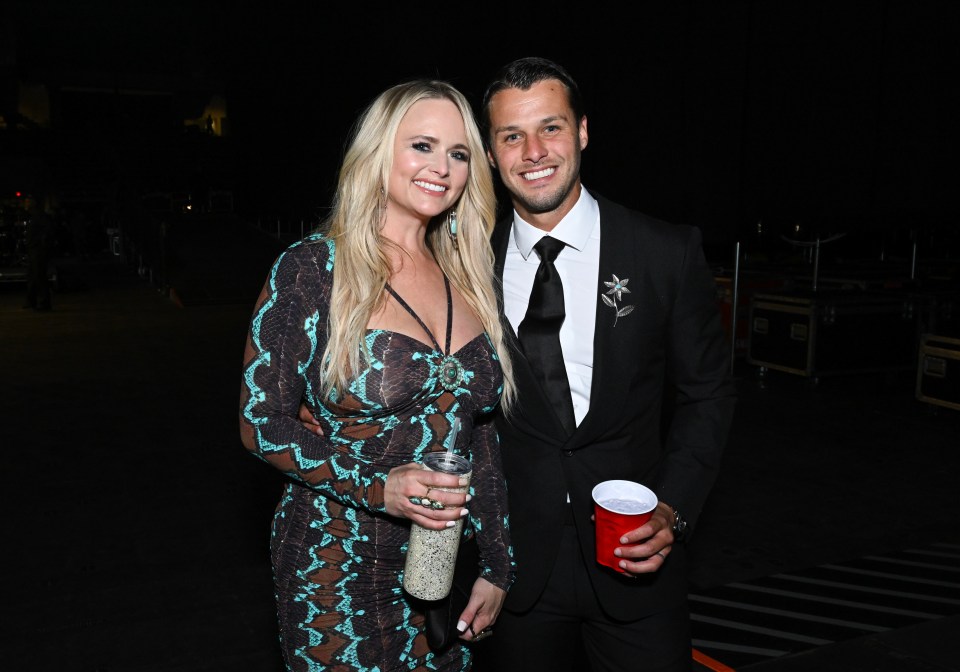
(668,357)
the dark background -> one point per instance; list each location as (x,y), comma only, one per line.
(140,529)
(749,119)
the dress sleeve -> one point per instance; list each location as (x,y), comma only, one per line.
(287,336)
(488,508)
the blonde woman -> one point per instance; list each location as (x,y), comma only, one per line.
(386,327)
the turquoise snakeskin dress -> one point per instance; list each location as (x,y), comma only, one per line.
(337,556)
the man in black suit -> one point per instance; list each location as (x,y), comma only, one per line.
(640,336)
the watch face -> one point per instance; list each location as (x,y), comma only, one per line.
(679,525)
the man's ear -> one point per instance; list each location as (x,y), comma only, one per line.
(491,160)
(584,136)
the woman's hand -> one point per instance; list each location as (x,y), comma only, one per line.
(418,494)
(486,601)
(412,491)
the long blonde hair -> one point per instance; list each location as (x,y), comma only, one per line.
(362,269)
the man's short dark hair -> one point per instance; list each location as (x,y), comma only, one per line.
(522,74)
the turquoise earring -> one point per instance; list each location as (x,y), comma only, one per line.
(452,227)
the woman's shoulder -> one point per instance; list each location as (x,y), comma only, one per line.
(315,250)
(316,246)
(305,263)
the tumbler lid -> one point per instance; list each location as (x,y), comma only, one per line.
(448,463)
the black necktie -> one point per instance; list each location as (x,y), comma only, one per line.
(540,332)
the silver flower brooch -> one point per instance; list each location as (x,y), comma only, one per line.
(614,296)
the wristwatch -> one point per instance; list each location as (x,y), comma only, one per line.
(679,526)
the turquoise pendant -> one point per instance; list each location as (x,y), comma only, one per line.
(451,373)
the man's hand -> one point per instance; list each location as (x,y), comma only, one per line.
(309,420)
(650,543)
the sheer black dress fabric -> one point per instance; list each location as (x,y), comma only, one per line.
(337,556)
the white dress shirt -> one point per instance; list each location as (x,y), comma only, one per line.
(578,265)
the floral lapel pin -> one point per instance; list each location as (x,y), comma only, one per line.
(614,295)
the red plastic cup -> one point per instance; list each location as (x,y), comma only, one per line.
(618,507)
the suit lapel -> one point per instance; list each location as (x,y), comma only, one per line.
(534,407)
(618,256)
(499,241)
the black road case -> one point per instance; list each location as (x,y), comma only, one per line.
(938,371)
(833,332)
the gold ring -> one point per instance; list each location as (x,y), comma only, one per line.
(483,634)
